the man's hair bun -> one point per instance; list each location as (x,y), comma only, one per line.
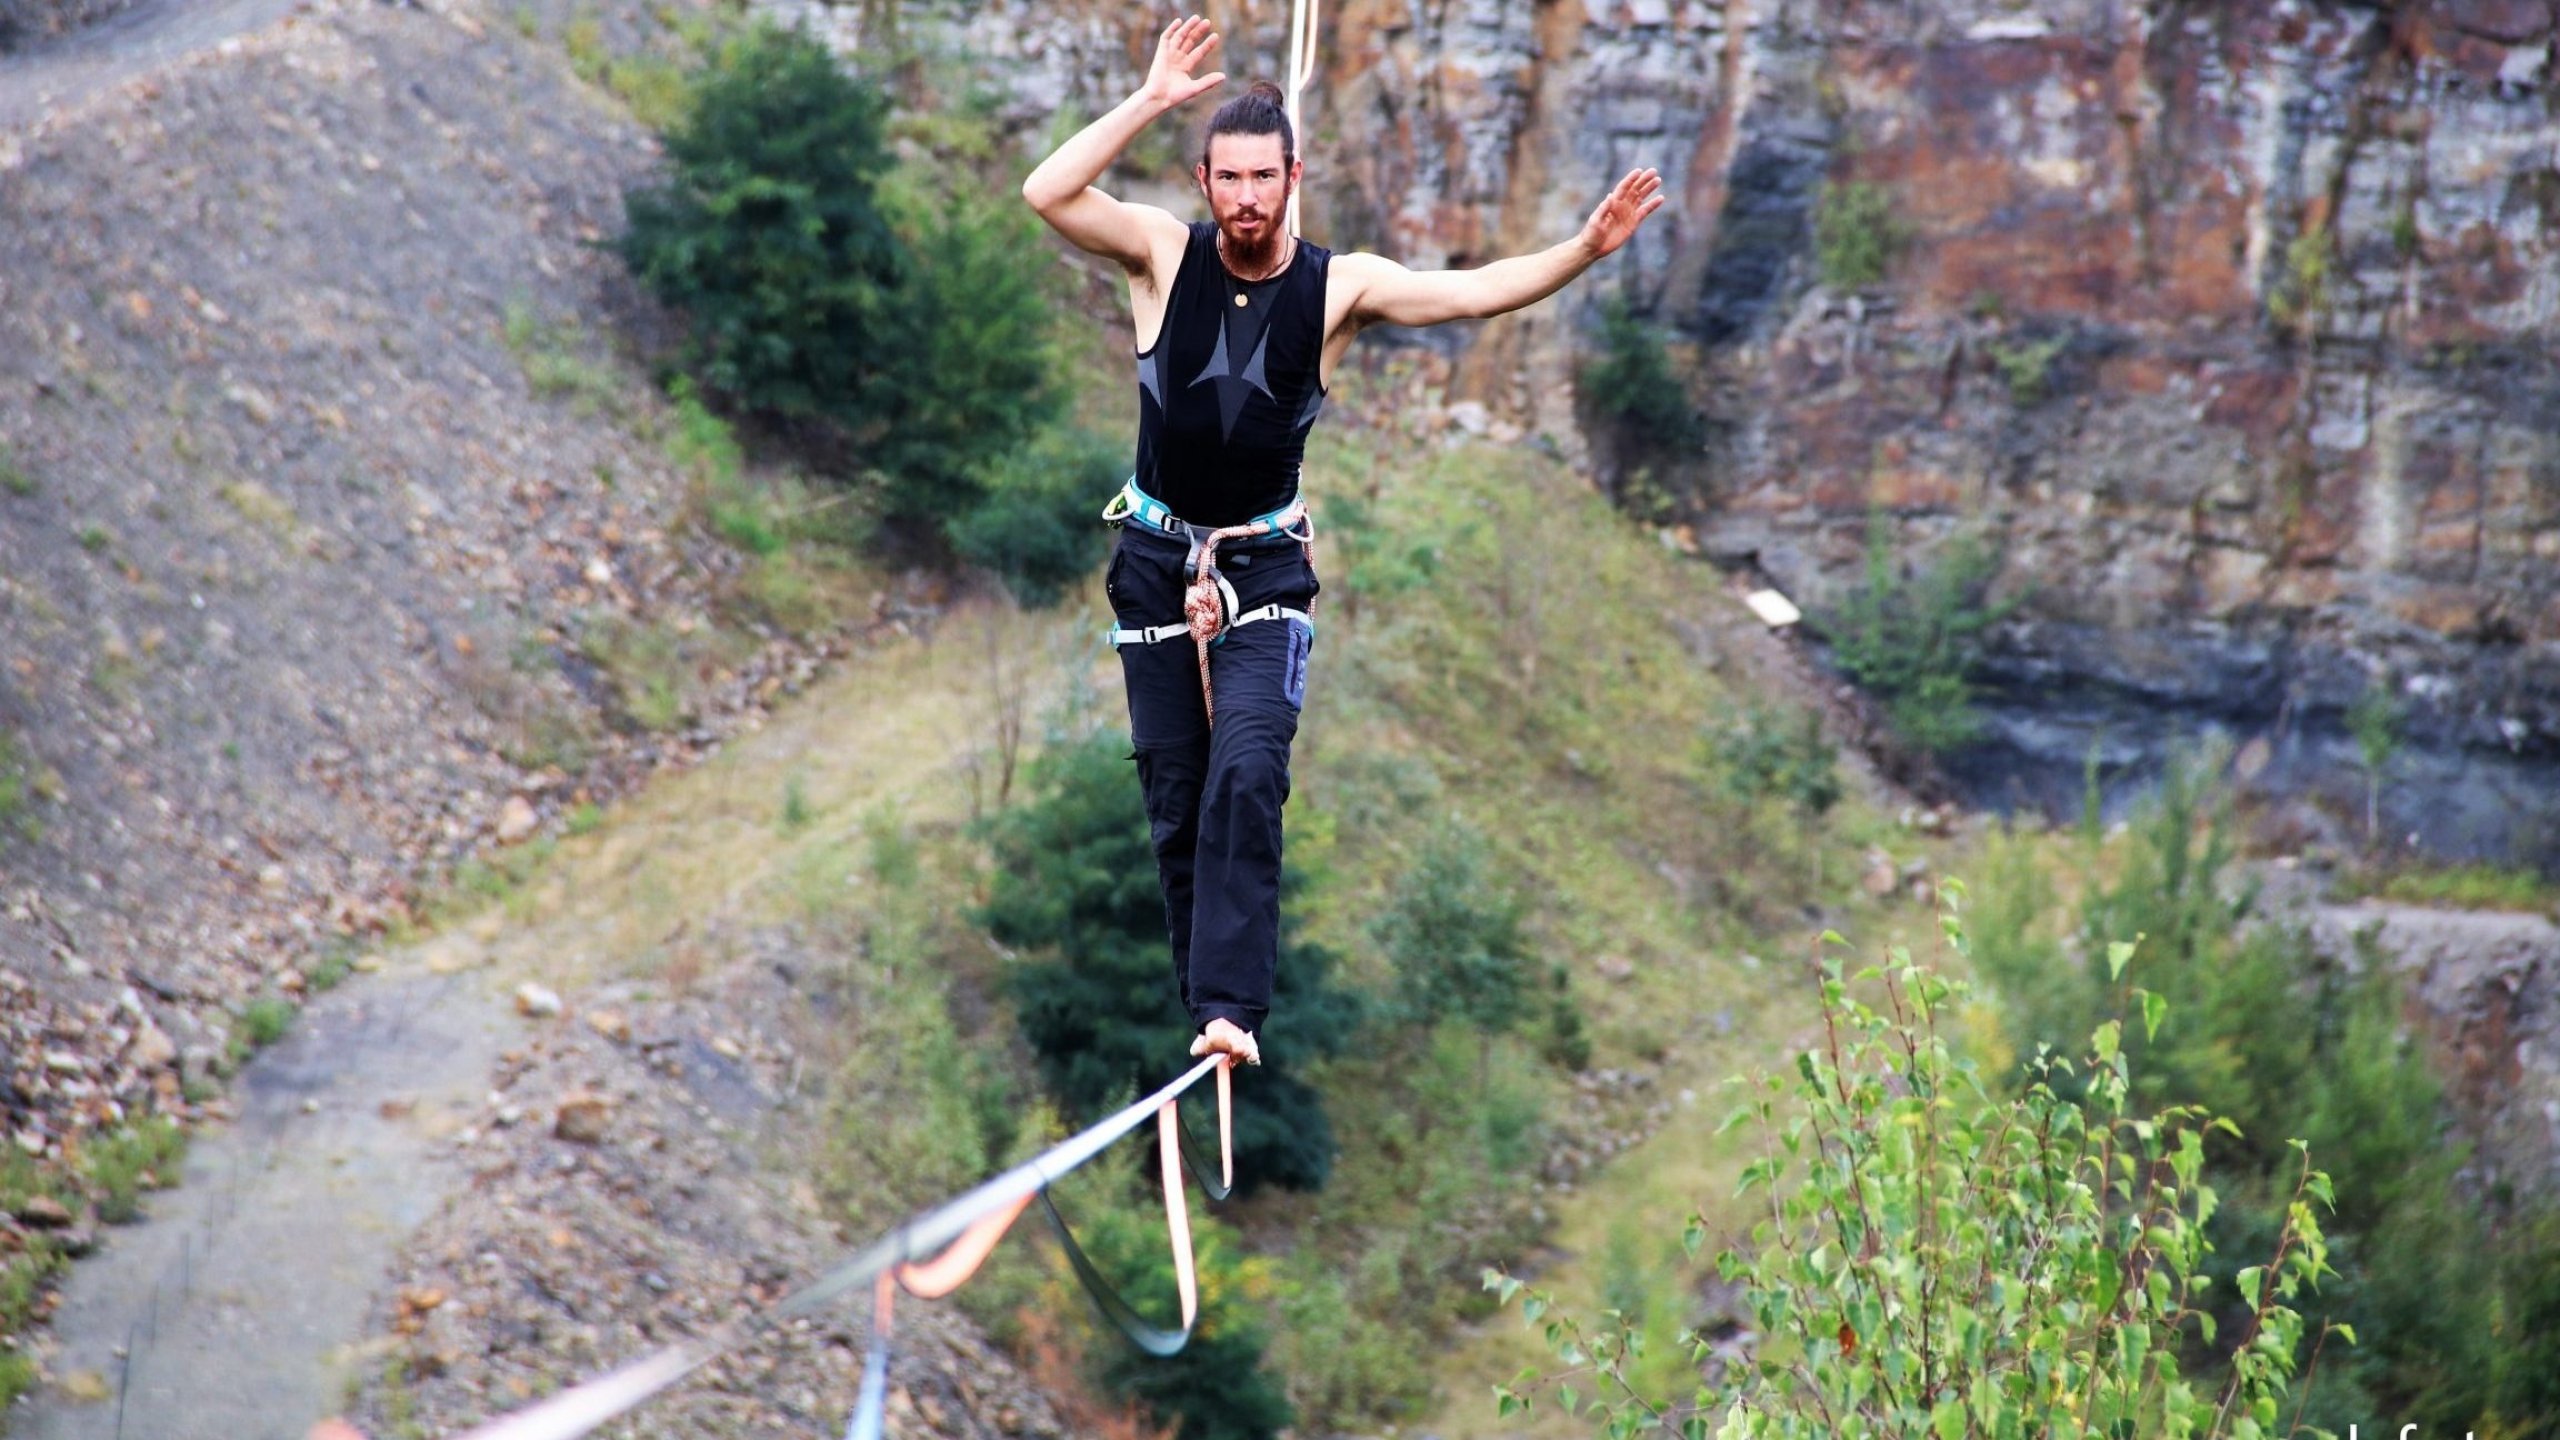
(1260,110)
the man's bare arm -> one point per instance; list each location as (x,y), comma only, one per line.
(1062,188)
(1384,292)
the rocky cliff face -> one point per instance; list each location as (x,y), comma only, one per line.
(2232,327)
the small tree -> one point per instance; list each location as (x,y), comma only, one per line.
(1034,524)
(1938,1259)
(1764,756)
(1857,234)
(969,372)
(1216,1388)
(2374,721)
(1917,642)
(1075,883)
(1632,387)
(767,231)
(1454,936)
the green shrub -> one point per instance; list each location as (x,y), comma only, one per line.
(2027,366)
(2301,289)
(1036,525)
(1216,1388)
(1915,642)
(2287,1042)
(1764,756)
(1074,883)
(2477,886)
(768,233)
(1454,935)
(975,376)
(1856,234)
(1937,1258)
(1641,402)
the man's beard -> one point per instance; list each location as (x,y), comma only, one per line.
(1258,254)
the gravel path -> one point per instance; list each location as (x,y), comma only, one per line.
(237,1301)
(136,42)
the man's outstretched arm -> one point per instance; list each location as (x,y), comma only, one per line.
(1062,189)
(1389,294)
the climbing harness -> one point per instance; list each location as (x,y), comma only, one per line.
(1209,604)
(930,1256)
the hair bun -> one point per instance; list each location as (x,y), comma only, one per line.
(1266,90)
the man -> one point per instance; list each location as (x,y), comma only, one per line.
(1239,327)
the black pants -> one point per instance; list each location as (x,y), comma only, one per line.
(1214,794)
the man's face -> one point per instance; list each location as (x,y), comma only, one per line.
(1248,183)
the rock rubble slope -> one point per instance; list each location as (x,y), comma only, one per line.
(300,574)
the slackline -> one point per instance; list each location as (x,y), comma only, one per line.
(929,1254)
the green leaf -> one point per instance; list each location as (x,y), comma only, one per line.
(1693,1234)
(2118,952)
(1832,937)
(1566,1398)
(2155,1008)
(1947,1419)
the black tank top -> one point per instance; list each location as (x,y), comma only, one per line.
(1228,394)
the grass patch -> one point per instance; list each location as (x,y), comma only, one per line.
(2462,887)
(555,360)
(583,38)
(502,877)
(17,1377)
(121,1164)
(19,789)
(265,1020)
(651,666)
(330,968)
(95,538)
(264,509)
(656,89)
(13,476)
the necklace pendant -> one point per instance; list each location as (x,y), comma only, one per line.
(1242,301)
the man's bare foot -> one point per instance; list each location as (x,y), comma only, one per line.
(1224,1037)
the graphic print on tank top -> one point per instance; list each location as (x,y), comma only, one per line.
(1231,387)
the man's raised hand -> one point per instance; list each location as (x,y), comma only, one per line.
(1185,44)
(1628,203)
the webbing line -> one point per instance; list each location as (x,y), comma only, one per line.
(581,1408)
(1153,1339)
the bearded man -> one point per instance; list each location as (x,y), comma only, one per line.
(1239,327)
